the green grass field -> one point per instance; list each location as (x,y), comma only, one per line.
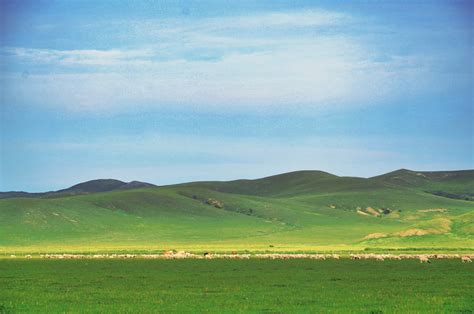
(300,211)
(278,286)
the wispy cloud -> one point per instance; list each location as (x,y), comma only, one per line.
(226,63)
(242,81)
(255,22)
(90,57)
(305,18)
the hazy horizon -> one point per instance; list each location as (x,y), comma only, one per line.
(217,90)
(233,179)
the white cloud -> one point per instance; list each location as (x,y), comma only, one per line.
(306,18)
(80,57)
(160,28)
(294,71)
(305,79)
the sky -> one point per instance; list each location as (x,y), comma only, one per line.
(176,91)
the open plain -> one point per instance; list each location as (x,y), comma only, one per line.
(219,285)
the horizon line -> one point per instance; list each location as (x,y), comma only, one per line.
(273,175)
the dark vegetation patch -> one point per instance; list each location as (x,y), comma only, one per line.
(457,196)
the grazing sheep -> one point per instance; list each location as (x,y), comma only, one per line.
(168,253)
(355,257)
(379,258)
(424,259)
(466,259)
(368,256)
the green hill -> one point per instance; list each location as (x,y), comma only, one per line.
(290,184)
(93,186)
(452,184)
(298,211)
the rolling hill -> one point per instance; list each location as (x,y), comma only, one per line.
(93,186)
(297,211)
(452,184)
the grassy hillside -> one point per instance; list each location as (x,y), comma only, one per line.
(93,186)
(452,184)
(299,211)
(290,184)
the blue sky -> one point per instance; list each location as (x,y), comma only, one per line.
(176,91)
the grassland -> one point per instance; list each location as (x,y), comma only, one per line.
(307,211)
(301,211)
(297,286)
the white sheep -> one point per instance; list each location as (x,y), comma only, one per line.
(424,259)
(379,258)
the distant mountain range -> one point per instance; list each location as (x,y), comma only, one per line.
(93,186)
(451,184)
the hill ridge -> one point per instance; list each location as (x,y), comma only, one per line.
(87,187)
(299,179)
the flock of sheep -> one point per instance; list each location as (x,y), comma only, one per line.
(423,258)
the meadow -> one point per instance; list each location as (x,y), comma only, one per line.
(217,286)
